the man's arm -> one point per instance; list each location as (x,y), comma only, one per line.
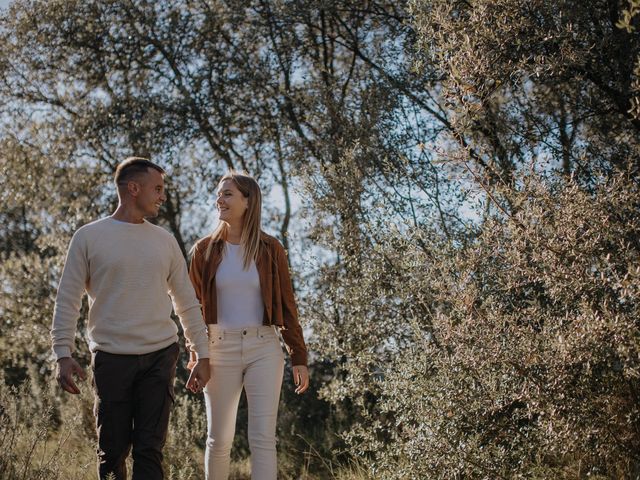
(187,307)
(66,312)
(195,275)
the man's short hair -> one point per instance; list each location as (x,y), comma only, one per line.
(132,167)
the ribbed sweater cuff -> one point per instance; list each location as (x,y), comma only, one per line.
(61,351)
(202,350)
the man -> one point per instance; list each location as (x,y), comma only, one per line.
(129,268)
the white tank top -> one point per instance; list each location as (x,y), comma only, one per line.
(238,292)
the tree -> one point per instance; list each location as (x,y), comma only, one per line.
(506,347)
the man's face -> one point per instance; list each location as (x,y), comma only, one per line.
(151,193)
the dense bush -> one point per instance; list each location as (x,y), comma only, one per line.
(514,355)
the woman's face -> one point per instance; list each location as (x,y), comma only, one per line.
(231,203)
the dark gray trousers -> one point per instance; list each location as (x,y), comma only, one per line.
(133,400)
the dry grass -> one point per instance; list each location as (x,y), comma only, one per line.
(46,437)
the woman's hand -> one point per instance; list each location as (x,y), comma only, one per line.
(199,376)
(301,378)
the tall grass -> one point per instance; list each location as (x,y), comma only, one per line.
(39,441)
(47,435)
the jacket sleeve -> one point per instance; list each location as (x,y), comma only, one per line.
(195,271)
(291,331)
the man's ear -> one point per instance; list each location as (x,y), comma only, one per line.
(133,188)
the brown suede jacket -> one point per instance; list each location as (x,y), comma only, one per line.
(275,284)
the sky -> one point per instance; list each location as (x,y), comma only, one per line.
(4,3)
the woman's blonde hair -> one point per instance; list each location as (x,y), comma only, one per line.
(250,237)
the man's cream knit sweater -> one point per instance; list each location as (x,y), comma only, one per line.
(132,272)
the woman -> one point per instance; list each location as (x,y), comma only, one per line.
(241,278)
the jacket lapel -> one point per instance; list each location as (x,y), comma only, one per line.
(264,271)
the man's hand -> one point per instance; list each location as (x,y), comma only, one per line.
(67,367)
(301,378)
(199,376)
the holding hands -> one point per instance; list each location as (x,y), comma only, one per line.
(199,376)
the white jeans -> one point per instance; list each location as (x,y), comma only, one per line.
(251,358)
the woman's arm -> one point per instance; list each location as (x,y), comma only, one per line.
(291,332)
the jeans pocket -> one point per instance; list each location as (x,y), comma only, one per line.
(267,335)
(269,342)
(215,338)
